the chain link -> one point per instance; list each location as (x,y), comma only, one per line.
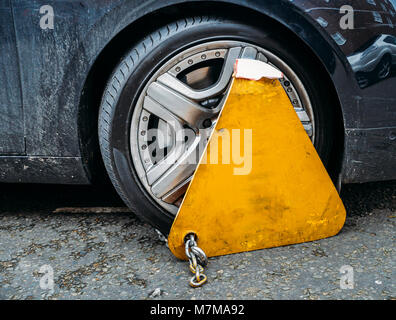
(197,259)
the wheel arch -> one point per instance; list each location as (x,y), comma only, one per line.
(387,54)
(300,30)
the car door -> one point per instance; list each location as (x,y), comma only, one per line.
(11,110)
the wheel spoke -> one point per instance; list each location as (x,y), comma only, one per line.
(171,182)
(178,147)
(185,109)
(175,194)
(172,82)
(249,53)
(302,115)
(179,172)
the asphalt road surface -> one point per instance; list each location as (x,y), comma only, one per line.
(62,242)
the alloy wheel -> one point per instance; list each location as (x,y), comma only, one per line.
(178,108)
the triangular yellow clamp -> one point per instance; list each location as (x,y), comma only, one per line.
(286,198)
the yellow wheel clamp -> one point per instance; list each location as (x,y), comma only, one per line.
(278,194)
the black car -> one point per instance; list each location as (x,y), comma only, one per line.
(89,82)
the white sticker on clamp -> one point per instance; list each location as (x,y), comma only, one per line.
(255,70)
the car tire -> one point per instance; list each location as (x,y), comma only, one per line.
(144,58)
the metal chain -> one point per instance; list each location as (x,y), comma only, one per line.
(198,260)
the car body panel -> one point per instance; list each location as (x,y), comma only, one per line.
(11,111)
(370,111)
(54,65)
